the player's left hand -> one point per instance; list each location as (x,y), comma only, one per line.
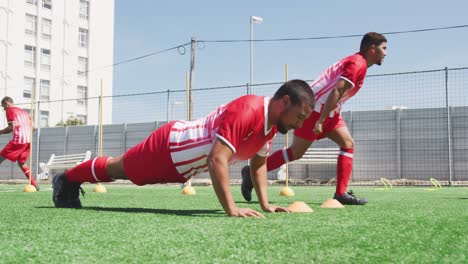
(274,209)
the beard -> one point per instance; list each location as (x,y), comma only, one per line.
(282,128)
(380,62)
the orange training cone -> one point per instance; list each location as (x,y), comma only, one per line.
(332,203)
(300,207)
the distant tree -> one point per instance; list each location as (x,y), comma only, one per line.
(71,121)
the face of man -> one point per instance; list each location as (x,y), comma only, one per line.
(5,106)
(380,52)
(293,117)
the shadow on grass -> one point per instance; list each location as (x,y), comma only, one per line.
(273,202)
(199,213)
(251,202)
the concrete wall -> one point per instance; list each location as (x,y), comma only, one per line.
(395,144)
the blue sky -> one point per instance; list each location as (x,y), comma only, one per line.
(146,26)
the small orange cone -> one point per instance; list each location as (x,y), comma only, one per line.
(99,188)
(300,207)
(29,188)
(188,190)
(332,203)
(286,191)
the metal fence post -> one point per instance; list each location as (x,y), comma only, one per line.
(66,140)
(398,143)
(449,129)
(96,141)
(38,145)
(350,126)
(168,102)
(124,138)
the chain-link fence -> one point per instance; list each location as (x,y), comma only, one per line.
(408,127)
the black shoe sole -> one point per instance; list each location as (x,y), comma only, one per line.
(63,202)
(246,185)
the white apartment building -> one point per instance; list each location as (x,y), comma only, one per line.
(60,51)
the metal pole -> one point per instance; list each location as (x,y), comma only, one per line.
(7,43)
(192,69)
(100,121)
(167,108)
(249,87)
(38,145)
(251,51)
(449,129)
(286,72)
(398,143)
(253,19)
(31,122)
(187,99)
(37,68)
(124,147)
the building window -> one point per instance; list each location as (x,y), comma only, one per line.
(84,9)
(29,55)
(82,94)
(82,66)
(83,38)
(32,2)
(46,28)
(28,86)
(47,4)
(31,25)
(45,59)
(45,87)
(82,118)
(44,118)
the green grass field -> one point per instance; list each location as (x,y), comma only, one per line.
(156,224)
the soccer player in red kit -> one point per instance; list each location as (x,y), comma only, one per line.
(332,89)
(241,130)
(19,123)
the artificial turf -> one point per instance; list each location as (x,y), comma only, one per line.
(156,224)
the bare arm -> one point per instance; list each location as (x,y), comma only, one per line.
(259,171)
(218,160)
(8,129)
(333,98)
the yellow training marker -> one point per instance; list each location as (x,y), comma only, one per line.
(286,191)
(188,190)
(100,188)
(29,188)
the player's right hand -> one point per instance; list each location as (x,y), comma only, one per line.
(246,212)
(318,129)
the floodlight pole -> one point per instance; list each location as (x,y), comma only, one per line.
(257,20)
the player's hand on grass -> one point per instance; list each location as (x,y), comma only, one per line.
(275,209)
(246,212)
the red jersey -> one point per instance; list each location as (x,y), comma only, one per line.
(242,125)
(353,69)
(21,123)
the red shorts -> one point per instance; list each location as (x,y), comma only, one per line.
(150,161)
(16,152)
(307,130)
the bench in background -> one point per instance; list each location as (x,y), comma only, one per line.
(61,163)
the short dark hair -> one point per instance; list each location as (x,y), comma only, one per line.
(371,38)
(298,91)
(7,99)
